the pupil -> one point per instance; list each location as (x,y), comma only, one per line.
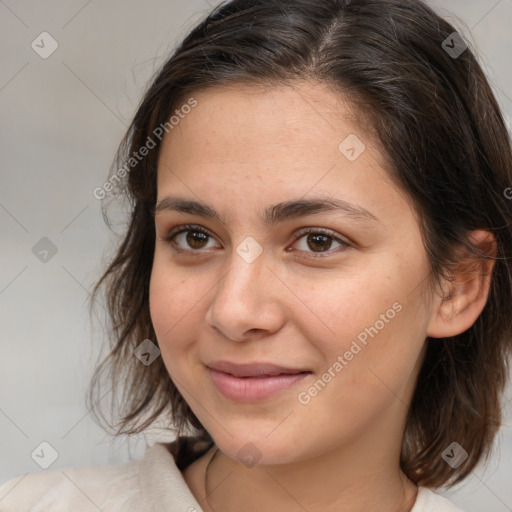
(196,238)
(318,240)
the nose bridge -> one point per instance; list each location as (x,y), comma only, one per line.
(243,276)
(244,299)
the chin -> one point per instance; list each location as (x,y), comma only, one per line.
(251,448)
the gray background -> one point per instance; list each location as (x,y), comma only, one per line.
(61,120)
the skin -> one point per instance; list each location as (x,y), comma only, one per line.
(241,150)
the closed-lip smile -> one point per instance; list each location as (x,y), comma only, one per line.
(251,382)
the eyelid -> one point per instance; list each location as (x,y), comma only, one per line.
(296,236)
(322,231)
(345,243)
(184,228)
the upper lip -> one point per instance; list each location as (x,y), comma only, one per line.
(252,369)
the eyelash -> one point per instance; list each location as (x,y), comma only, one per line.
(305,231)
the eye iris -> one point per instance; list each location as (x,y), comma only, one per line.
(318,240)
(195,239)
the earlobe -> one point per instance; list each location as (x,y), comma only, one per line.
(466,292)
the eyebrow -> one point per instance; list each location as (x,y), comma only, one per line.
(274,214)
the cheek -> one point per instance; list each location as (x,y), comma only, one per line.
(335,309)
(368,327)
(360,381)
(174,302)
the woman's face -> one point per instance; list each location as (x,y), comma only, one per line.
(312,261)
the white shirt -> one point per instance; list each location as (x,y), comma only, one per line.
(151,484)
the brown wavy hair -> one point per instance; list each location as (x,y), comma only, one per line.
(441,128)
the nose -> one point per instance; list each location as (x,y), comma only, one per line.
(248,300)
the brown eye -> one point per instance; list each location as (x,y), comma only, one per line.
(319,240)
(319,243)
(196,239)
(190,238)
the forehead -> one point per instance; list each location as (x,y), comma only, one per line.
(279,116)
(274,143)
(248,124)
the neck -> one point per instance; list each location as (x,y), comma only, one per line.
(354,478)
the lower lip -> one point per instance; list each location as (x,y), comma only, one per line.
(252,389)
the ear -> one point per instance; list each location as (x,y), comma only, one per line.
(466,292)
